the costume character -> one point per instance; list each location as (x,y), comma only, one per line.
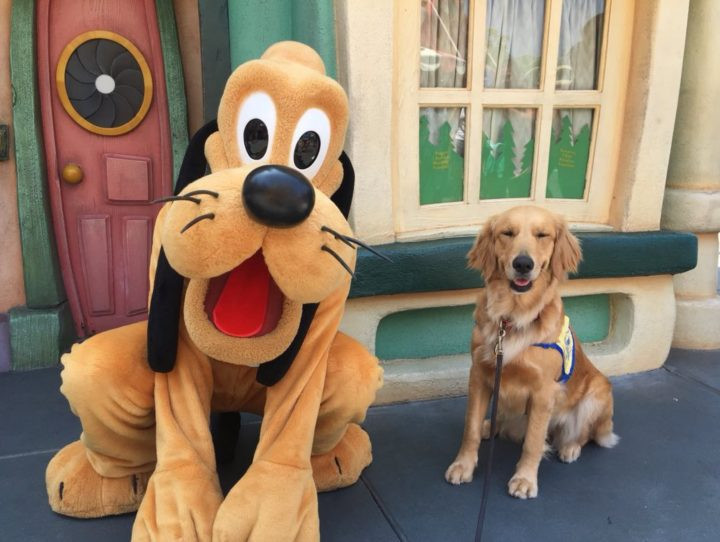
(250,269)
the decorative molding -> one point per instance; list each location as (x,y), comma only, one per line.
(38,337)
(174,82)
(43,282)
(440,265)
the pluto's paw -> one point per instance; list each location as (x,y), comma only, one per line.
(75,489)
(342,466)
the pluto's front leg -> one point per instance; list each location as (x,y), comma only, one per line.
(341,448)
(183,494)
(276,499)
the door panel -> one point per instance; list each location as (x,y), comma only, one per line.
(136,248)
(96,262)
(107,146)
(128,179)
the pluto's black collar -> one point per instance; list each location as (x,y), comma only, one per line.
(166,302)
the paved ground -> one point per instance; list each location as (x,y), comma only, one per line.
(662,482)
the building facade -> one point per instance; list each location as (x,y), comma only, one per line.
(595,109)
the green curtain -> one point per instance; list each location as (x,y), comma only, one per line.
(255,25)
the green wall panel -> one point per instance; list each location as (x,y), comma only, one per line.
(253,26)
(39,336)
(443,331)
(214,53)
(174,82)
(439,265)
(43,282)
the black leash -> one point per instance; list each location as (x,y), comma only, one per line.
(493,421)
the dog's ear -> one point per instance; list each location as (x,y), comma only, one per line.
(566,254)
(166,300)
(482,254)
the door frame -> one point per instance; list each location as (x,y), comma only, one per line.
(44,289)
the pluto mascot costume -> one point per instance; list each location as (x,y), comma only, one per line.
(250,269)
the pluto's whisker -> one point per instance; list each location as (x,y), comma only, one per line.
(203,191)
(197,219)
(338,258)
(338,236)
(186,197)
(347,240)
(367,247)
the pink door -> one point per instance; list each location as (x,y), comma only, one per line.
(107,146)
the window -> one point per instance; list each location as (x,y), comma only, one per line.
(510,102)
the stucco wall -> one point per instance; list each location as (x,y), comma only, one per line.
(628,348)
(658,45)
(692,198)
(365,69)
(12,290)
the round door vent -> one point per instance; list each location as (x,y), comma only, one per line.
(104,82)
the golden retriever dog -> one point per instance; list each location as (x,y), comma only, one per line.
(546,397)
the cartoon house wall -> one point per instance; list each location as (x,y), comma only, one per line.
(599,155)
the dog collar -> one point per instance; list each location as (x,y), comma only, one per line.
(565,345)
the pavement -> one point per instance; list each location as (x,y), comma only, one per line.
(661,483)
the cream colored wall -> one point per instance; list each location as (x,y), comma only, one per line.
(653,86)
(692,198)
(629,347)
(365,60)
(12,289)
(366,48)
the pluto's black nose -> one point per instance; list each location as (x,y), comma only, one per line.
(278,196)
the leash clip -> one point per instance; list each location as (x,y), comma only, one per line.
(500,337)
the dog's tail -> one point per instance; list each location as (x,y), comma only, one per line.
(607,440)
(604,435)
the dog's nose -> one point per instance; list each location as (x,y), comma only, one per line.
(523,264)
(278,196)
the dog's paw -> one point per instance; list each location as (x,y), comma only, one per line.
(522,487)
(460,472)
(569,453)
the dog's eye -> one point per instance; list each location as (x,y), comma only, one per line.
(310,142)
(255,138)
(541,234)
(508,233)
(255,127)
(306,149)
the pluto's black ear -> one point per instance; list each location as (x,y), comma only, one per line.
(271,372)
(194,163)
(166,300)
(344,194)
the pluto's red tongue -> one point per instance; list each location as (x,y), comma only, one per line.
(242,308)
(521,282)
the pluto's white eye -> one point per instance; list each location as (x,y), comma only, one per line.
(310,142)
(256,127)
